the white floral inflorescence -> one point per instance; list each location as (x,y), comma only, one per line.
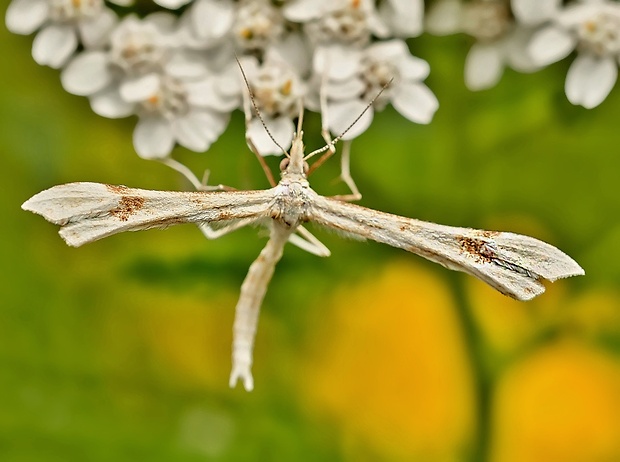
(176,68)
(592,28)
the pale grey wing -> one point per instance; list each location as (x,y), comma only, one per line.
(511,263)
(90,211)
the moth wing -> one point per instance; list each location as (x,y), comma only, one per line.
(511,263)
(90,211)
(536,255)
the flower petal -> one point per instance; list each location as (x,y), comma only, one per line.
(205,93)
(590,79)
(534,12)
(516,52)
(404,17)
(190,134)
(172,4)
(305,10)
(341,114)
(292,49)
(444,17)
(550,44)
(483,66)
(86,74)
(344,89)
(109,103)
(152,138)
(397,53)
(26,16)
(576,13)
(53,45)
(415,101)
(339,62)
(140,88)
(185,63)
(212,19)
(197,130)
(281,128)
(96,31)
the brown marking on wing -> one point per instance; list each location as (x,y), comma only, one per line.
(117,189)
(489,234)
(477,248)
(127,206)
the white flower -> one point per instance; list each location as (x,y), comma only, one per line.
(500,41)
(136,47)
(404,18)
(534,12)
(593,28)
(170,88)
(343,21)
(208,22)
(63,23)
(375,67)
(277,90)
(257,24)
(167,115)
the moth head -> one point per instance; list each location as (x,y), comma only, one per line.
(286,162)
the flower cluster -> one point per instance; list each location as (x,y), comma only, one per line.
(530,34)
(177,69)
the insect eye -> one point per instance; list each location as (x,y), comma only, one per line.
(306,168)
(284,164)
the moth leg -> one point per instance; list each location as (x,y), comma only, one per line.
(193,179)
(308,242)
(183,170)
(345,175)
(204,184)
(324,128)
(251,297)
(345,161)
(211,233)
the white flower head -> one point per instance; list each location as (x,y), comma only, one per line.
(145,72)
(167,115)
(137,46)
(500,40)
(277,90)
(64,25)
(258,24)
(342,21)
(385,67)
(593,29)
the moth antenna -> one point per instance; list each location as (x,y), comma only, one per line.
(255,106)
(339,137)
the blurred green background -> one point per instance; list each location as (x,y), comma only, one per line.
(120,350)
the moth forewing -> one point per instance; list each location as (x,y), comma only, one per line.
(91,211)
(511,263)
(541,258)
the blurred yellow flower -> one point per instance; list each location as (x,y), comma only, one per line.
(388,363)
(561,404)
(507,324)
